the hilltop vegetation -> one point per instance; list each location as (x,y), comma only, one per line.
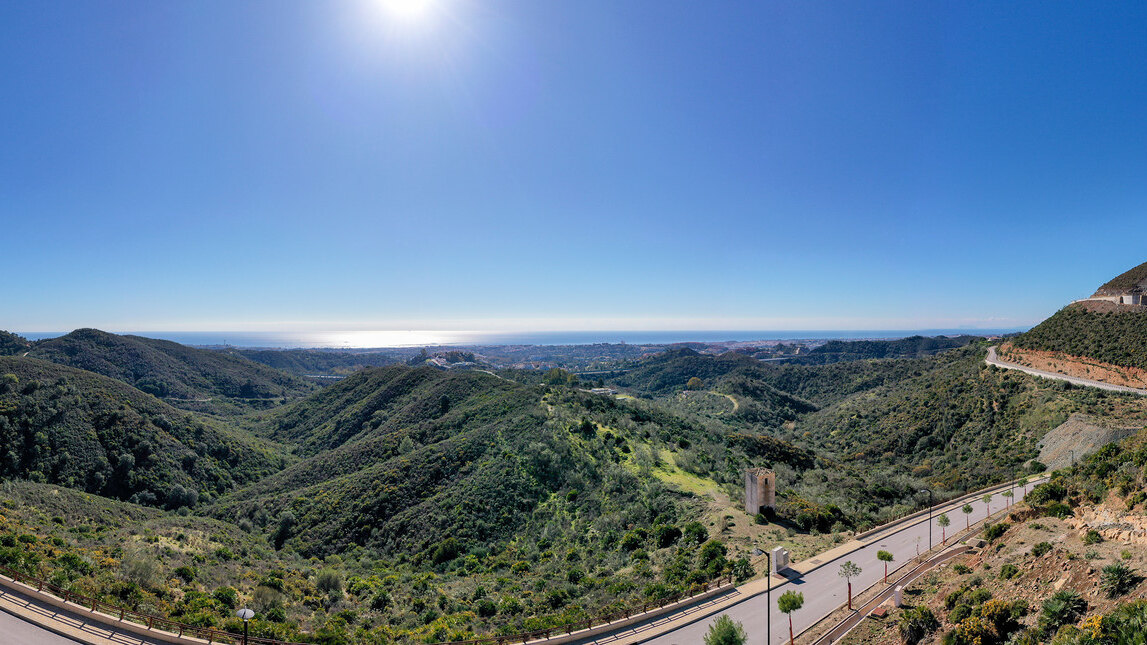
(1118,338)
(835,351)
(1124,282)
(320,361)
(11,344)
(67,426)
(190,378)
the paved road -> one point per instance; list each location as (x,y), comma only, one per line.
(823,589)
(992,359)
(21,615)
(17,630)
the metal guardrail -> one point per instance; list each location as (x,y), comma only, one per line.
(149,621)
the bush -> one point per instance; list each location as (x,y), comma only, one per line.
(1009,571)
(916,624)
(667,534)
(1062,608)
(1046,492)
(486,608)
(961,568)
(1092,537)
(993,532)
(1117,579)
(1057,509)
(185,573)
(226,596)
(959,613)
(743,569)
(1041,549)
(329,581)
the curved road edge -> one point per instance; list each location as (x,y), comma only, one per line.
(992,359)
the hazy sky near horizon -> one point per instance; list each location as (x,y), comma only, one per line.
(517,164)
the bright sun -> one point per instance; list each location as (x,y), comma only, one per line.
(411,11)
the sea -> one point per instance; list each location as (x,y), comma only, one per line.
(430,338)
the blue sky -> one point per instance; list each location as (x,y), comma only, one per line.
(566,165)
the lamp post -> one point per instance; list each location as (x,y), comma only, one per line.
(929,491)
(768,598)
(246,615)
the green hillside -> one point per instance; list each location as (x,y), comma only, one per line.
(321,361)
(960,426)
(86,431)
(1119,338)
(1124,282)
(835,351)
(819,385)
(189,378)
(11,344)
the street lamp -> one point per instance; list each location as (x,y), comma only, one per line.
(768,598)
(929,491)
(246,615)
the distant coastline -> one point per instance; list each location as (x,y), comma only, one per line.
(385,339)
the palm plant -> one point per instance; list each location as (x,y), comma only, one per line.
(1062,608)
(1117,579)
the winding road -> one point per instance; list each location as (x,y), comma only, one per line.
(824,591)
(992,359)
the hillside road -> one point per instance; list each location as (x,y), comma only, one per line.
(992,359)
(824,591)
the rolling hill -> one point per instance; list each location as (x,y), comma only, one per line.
(186,377)
(67,426)
(11,344)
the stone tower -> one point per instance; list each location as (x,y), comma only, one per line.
(760,490)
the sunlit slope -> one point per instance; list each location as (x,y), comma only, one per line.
(191,378)
(63,425)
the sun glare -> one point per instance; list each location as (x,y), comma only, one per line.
(409,11)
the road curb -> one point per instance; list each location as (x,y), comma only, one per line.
(80,638)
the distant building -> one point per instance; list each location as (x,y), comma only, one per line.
(760,490)
(1127,288)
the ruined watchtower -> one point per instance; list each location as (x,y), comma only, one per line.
(760,490)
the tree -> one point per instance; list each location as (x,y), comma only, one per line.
(694,384)
(1008,494)
(724,631)
(848,571)
(789,602)
(885,557)
(944,522)
(967,515)
(988,502)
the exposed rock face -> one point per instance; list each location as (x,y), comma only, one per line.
(1078,433)
(1113,525)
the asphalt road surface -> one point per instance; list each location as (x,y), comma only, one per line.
(16,630)
(824,590)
